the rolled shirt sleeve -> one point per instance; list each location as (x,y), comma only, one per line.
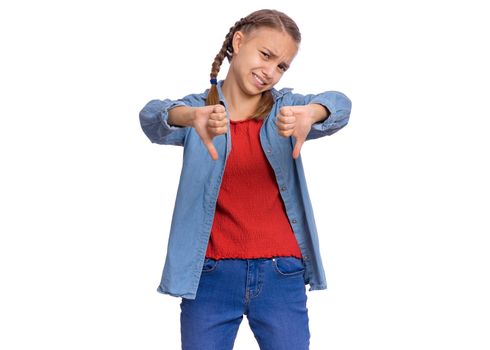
(154,120)
(337,103)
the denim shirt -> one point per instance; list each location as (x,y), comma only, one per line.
(201,177)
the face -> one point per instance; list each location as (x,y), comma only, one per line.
(260,58)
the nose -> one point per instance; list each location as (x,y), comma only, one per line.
(268,71)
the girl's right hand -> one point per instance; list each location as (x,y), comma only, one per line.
(210,121)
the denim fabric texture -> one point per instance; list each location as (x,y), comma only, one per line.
(270,292)
(201,176)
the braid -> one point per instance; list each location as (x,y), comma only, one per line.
(226,51)
(261,18)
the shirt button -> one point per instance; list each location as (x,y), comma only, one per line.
(305,257)
(269,151)
(283,188)
(293,221)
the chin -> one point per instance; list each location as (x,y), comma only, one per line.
(253,90)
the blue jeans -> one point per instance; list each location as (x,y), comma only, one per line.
(271,292)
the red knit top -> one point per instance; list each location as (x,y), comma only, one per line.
(250,219)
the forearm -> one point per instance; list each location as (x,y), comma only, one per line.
(319,113)
(181,116)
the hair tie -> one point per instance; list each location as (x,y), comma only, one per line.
(214,81)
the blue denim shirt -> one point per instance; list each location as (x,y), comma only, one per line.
(201,177)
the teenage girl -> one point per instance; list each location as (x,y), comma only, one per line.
(243,239)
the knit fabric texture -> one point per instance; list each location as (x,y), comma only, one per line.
(250,220)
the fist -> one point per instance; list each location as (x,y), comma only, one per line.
(294,121)
(210,121)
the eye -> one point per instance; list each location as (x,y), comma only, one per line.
(265,54)
(282,68)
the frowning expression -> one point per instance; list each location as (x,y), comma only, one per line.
(261,57)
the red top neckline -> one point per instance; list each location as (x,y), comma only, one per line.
(244,120)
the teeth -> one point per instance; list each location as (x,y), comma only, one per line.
(258,79)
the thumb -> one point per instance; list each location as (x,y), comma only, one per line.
(297,147)
(208,143)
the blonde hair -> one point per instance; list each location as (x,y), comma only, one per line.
(262,18)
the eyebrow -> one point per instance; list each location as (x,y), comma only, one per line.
(274,55)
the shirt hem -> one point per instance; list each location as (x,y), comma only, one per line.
(317,287)
(255,257)
(175,294)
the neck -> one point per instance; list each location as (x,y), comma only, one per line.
(240,104)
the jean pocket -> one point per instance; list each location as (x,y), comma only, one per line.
(209,265)
(288,266)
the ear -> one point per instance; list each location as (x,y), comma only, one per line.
(237,41)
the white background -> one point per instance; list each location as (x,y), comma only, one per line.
(401,195)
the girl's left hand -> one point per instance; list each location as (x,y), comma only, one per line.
(295,121)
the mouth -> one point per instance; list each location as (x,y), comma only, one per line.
(260,81)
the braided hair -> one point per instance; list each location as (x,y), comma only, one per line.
(262,18)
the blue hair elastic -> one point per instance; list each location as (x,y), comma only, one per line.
(214,81)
